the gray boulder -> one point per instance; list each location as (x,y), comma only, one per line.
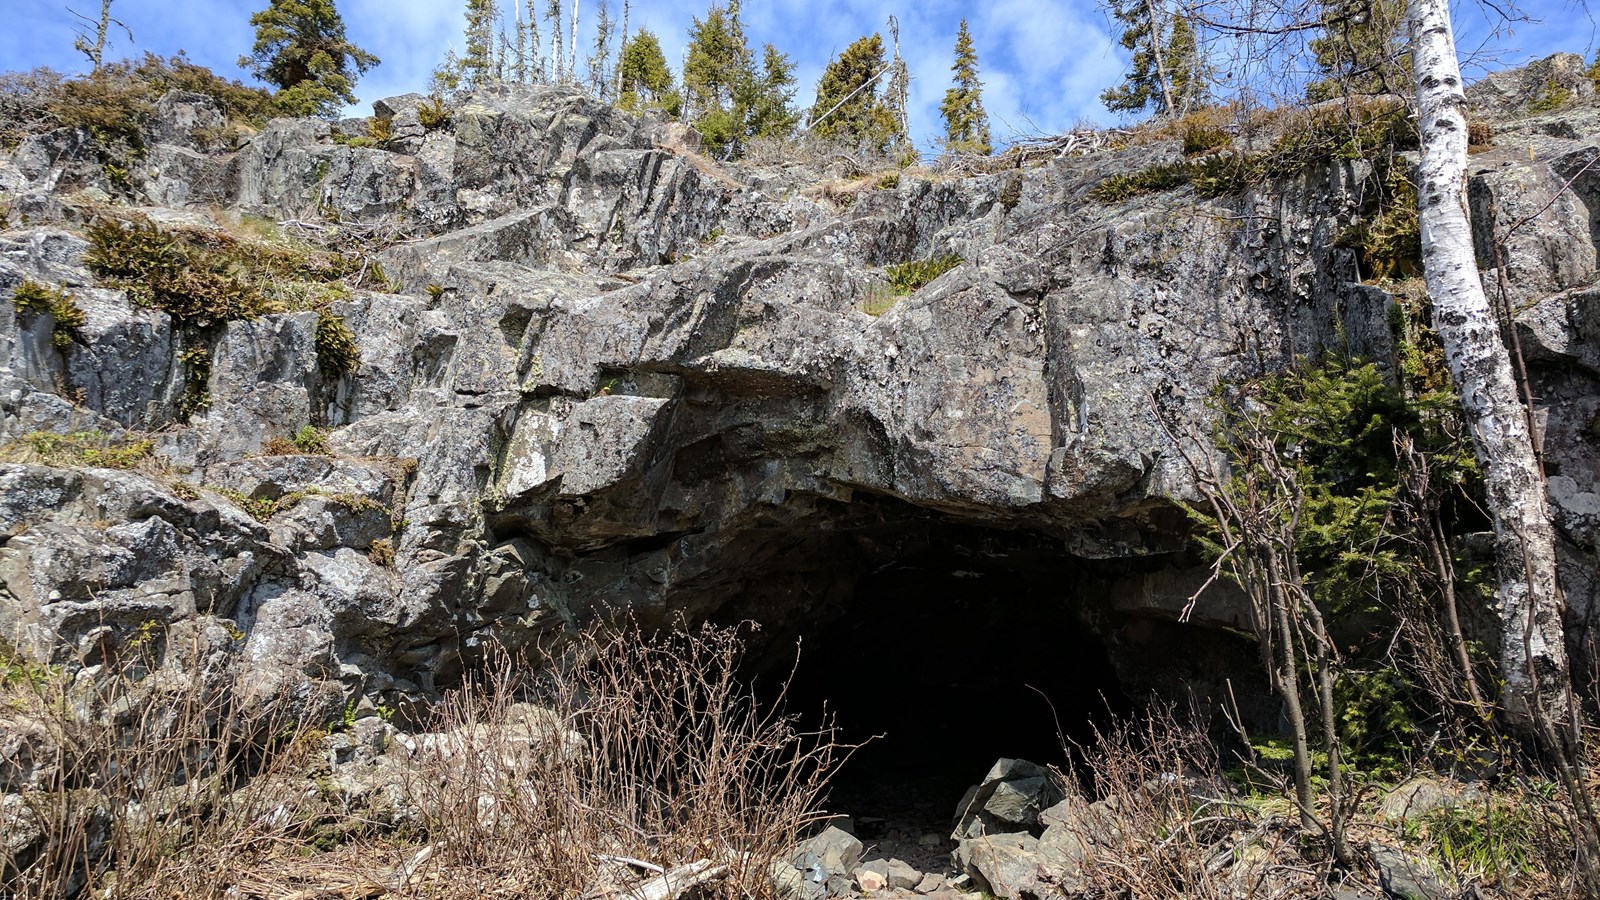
(1009,799)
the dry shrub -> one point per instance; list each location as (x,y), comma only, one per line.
(647,749)
(1165,823)
(142,783)
(26,99)
(827,157)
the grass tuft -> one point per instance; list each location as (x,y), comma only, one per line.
(33,299)
(80,448)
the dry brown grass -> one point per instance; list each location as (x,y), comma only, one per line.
(650,749)
(149,784)
(1166,823)
(638,754)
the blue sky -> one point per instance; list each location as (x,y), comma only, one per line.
(1044,62)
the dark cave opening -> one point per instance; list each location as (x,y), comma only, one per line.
(957,647)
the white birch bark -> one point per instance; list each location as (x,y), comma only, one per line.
(1533,659)
(557,58)
(572,68)
(622,47)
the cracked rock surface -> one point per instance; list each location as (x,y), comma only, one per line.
(618,377)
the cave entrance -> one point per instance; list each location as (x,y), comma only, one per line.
(950,647)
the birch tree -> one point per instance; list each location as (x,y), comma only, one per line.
(1165,70)
(1533,659)
(572,38)
(623,43)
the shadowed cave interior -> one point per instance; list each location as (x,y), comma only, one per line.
(962,646)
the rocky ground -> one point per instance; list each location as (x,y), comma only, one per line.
(598,373)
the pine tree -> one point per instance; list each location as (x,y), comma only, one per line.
(1166,74)
(847,106)
(770,106)
(553,13)
(1362,50)
(717,78)
(600,60)
(302,49)
(645,78)
(626,8)
(478,63)
(519,54)
(966,125)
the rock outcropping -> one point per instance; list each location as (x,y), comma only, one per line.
(617,376)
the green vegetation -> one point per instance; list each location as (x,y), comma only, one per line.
(301,49)
(263,509)
(117,102)
(1333,426)
(203,278)
(477,59)
(380,131)
(382,553)
(1553,97)
(1371,130)
(196,362)
(32,299)
(646,77)
(1362,50)
(880,299)
(337,353)
(1011,192)
(1170,38)
(18,671)
(1492,841)
(1157,178)
(909,277)
(432,114)
(310,439)
(1204,130)
(1387,237)
(80,448)
(848,108)
(966,125)
(729,102)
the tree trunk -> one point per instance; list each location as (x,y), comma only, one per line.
(1533,659)
(1156,37)
(622,47)
(572,68)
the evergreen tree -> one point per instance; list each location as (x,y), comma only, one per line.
(847,106)
(302,49)
(717,79)
(617,74)
(1362,50)
(966,125)
(1166,73)
(600,60)
(477,63)
(553,13)
(645,77)
(519,53)
(770,106)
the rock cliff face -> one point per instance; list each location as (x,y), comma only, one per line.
(616,376)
